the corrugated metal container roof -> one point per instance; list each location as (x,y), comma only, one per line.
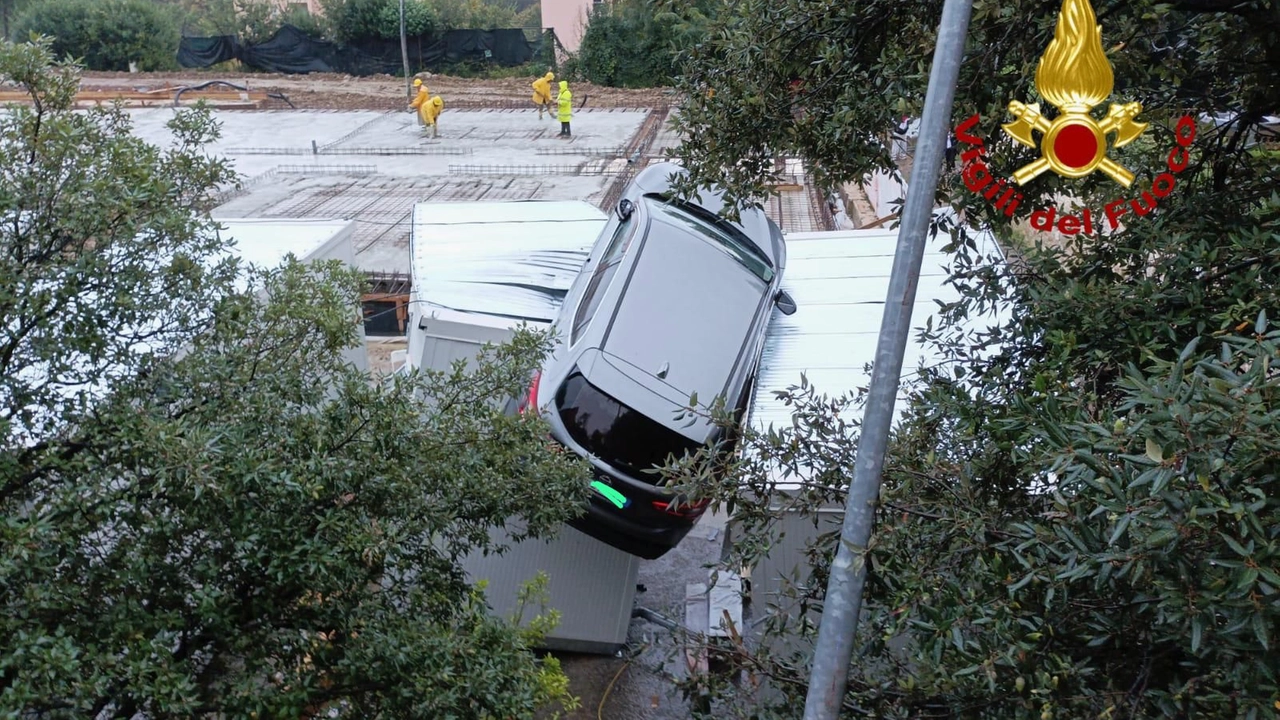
(506,259)
(266,241)
(839,281)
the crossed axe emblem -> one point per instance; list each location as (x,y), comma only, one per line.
(1074,144)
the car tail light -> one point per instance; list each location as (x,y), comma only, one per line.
(530,401)
(691,510)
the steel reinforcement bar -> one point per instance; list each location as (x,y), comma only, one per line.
(550,169)
(638,147)
(327,169)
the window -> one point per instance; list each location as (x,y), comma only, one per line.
(707,226)
(615,433)
(599,281)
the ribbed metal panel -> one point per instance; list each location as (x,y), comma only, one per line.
(839,281)
(591,584)
(507,259)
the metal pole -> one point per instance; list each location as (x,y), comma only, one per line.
(829,677)
(404,54)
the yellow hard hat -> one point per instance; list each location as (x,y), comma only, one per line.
(417,82)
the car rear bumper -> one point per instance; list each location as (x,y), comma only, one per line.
(645,537)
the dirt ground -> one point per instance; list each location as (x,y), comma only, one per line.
(330,91)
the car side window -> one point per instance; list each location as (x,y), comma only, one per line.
(604,271)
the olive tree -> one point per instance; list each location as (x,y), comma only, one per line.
(206,511)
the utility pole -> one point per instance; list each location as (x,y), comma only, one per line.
(404,54)
(829,676)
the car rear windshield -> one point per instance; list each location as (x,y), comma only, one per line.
(707,225)
(615,433)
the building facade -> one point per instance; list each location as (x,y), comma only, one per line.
(568,18)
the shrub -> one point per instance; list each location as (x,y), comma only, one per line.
(369,19)
(106,34)
(206,511)
(477,14)
(312,25)
(633,43)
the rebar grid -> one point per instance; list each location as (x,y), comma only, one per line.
(368,151)
(267,151)
(384,283)
(428,150)
(561,169)
(640,143)
(327,169)
(359,129)
(226,196)
(615,152)
(820,210)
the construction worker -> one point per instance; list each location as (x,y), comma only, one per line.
(420,99)
(430,112)
(542,93)
(564,106)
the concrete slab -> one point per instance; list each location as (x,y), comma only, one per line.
(258,142)
(268,129)
(372,167)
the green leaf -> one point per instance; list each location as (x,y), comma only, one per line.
(1121,526)
(1261,631)
(1235,546)
(1154,451)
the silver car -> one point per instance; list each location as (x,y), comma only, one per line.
(673,301)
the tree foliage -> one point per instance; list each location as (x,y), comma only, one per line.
(207,512)
(8,10)
(482,14)
(105,34)
(250,20)
(1080,516)
(636,43)
(364,19)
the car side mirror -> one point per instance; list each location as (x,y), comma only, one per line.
(786,305)
(625,208)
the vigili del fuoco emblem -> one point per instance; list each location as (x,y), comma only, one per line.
(1075,76)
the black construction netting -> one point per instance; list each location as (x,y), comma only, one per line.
(292,51)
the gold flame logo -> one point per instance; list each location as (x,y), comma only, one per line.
(1075,75)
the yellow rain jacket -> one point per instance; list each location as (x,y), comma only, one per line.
(420,98)
(431,110)
(564,103)
(542,89)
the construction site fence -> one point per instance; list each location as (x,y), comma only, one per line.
(292,51)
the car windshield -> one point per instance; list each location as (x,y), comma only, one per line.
(617,434)
(706,225)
